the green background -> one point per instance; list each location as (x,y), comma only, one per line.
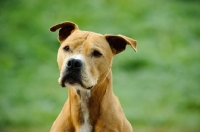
(158,87)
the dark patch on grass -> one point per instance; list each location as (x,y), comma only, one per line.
(134,65)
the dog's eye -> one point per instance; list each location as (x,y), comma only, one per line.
(66,48)
(96,53)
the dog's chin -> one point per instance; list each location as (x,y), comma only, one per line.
(74,83)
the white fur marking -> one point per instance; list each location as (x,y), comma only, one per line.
(79,57)
(85,95)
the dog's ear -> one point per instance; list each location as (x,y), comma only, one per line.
(66,28)
(118,43)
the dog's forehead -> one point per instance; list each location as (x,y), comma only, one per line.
(76,37)
(86,38)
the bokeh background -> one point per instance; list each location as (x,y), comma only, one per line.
(159,86)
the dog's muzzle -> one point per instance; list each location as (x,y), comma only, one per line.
(72,73)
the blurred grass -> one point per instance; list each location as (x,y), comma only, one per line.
(159,86)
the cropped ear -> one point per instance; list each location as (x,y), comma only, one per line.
(66,28)
(118,43)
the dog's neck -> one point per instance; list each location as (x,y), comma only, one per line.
(85,104)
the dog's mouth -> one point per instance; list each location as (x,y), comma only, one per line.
(71,79)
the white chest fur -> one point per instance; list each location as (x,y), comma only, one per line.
(84,98)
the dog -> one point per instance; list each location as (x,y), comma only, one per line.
(85,60)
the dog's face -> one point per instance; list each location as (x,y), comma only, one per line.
(85,58)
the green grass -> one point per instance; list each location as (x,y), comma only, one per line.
(158,86)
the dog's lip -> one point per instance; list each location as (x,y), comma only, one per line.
(90,87)
(70,79)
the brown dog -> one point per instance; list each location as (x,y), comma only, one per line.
(85,60)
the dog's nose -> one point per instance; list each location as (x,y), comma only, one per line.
(74,64)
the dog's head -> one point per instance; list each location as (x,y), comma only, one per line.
(85,58)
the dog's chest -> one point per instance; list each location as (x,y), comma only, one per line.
(84,98)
